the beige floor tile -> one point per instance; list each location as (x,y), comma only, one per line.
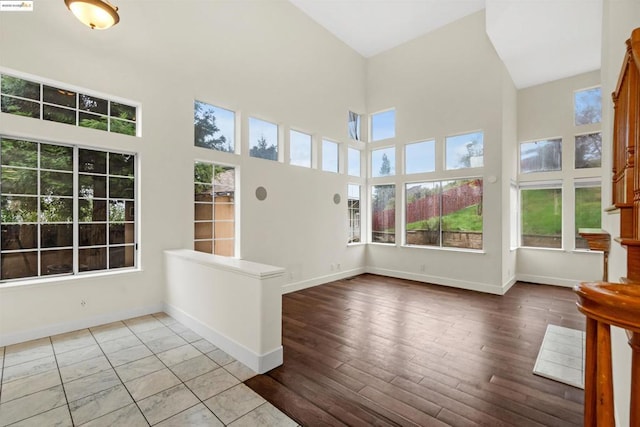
(72,341)
(165,343)
(204,346)
(91,384)
(129,416)
(30,405)
(266,415)
(119,344)
(27,369)
(240,371)
(234,403)
(143,323)
(167,403)
(211,383)
(25,386)
(79,355)
(84,368)
(110,332)
(99,404)
(129,355)
(18,354)
(58,417)
(220,357)
(164,318)
(195,367)
(153,383)
(139,368)
(154,334)
(197,415)
(179,354)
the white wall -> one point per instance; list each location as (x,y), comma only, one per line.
(620,17)
(546,111)
(447,82)
(260,58)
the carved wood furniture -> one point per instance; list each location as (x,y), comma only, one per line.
(617,304)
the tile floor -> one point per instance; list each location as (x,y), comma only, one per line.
(561,356)
(149,370)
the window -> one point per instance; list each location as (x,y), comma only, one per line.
(513,216)
(44,187)
(541,217)
(587,210)
(541,156)
(420,157)
(588,150)
(587,106)
(383,125)
(214,195)
(464,151)
(354,158)
(445,213)
(214,127)
(329,156)
(299,149)
(62,105)
(353,125)
(383,212)
(353,206)
(383,162)
(263,139)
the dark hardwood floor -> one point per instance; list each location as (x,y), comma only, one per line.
(380,351)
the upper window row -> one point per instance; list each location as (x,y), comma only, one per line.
(59,104)
(546,155)
(587,106)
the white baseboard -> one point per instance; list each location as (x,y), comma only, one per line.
(508,284)
(74,325)
(546,280)
(259,363)
(436,280)
(298,286)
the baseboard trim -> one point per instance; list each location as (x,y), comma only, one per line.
(259,363)
(74,325)
(508,284)
(546,280)
(437,280)
(316,281)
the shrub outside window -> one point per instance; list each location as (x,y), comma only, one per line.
(588,150)
(329,156)
(214,196)
(541,217)
(263,139)
(28,98)
(214,127)
(299,149)
(353,206)
(587,106)
(383,125)
(44,188)
(420,157)
(383,212)
(383,162)
(464,151)
(541,156)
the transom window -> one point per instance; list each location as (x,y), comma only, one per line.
(354,157)
(353,125)
(263,139)
(588,150)
(420,157)
(464,151)
(214,127)
(300,149)
(541,156)
(60,104)
(383,162)
(383,125)
(587,106)
(65,209)
(329,156)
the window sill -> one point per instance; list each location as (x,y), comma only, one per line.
(446,249)
(45,281)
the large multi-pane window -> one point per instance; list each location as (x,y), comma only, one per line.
(299,149)
(420,157)
(464,151)
(213,127)
(214,196)
(444,213)
(383,213)
(541,217)
(588,210)
(383,125)
(65,210)
(329,156)
(383,162)
(263,139)
(353,210)
(59,104)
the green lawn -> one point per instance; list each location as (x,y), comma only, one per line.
(466,219)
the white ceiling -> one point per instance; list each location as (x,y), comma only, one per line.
(538,40)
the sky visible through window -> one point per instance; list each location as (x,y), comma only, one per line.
(353,158)
(329,156)
(464,151)
(383,125)
(588,106)
(300,149)
(383,162)
(420,157)
(263,139)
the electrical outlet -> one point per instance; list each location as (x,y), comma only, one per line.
(83,303)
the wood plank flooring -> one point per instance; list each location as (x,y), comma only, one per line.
(378,351)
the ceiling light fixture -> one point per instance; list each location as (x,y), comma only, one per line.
(96,14)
